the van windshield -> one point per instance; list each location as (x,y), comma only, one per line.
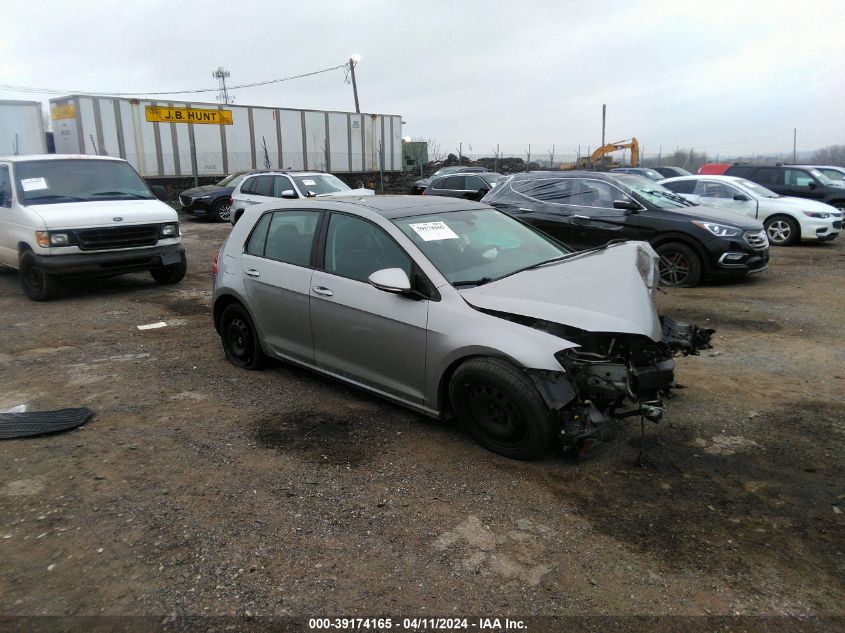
(78,180)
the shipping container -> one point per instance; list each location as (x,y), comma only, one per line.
(177,138)
(21,128)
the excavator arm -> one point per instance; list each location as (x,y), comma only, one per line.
(631,144)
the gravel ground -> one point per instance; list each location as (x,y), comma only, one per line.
(199,488)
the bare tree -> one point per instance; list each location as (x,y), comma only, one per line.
(435,151)
(830,155)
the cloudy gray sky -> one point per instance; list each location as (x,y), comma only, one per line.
(726,77)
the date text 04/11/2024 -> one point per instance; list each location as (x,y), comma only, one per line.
(417,624)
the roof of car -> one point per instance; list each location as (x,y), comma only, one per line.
(578,173)
(408,206)
(28,157)
(707,177)
(287,172)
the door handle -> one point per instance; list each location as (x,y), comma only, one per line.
(251,272)
(322,290)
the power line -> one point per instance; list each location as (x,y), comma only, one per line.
(14,88)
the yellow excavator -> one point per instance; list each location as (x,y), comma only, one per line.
(631,144)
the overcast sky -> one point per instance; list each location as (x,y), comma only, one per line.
(719,76)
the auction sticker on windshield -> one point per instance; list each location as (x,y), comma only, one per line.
(33,184)
(434,231)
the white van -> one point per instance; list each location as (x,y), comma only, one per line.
(64,216)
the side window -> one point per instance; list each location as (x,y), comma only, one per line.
(290,236)
(255,245)
(453,183)
(248,186)
(5,187)
(263,186)
(474,183)
(558,190)
(710,189)
(680,186)
(280,184)
(356,248)
(767,176)
(797,178)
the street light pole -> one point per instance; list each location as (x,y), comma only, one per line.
(352,62)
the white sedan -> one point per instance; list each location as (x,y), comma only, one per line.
(787,220)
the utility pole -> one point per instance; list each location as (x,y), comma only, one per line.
(223,95)
(603,120)
(460,152)
(352,62)
(496,162)
(795,145)
(528,164)
(552,158)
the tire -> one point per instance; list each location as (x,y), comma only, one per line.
(236,217)
(172,274)
(782,230)
(36,284)
(680,265)
(239,338)
(221,211)
(839,204)
(500,407)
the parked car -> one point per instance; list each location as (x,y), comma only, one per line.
(65,216)
(272,185)
(646,172)
(450,307)
(470,186)
(833,172)
(212,201)
(585,209)
(669,171)
(420,185)
(786,220)
(713,169)
(793,180)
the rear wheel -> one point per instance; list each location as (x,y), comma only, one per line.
(221,212)
(782,230)
(680,265)
(36,284)
(170,274)
(239,338)
(500,407)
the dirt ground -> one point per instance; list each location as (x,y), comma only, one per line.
(199,488)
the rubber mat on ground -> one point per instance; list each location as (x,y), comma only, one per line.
(31,423)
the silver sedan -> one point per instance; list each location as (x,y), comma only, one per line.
(453,309)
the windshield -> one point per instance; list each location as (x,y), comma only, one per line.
(233,180)
(78,180)
(492,179)
(821,177)
(478,246)
(654,194)
(320,184)
(654,175)
(758,190)
(445,170)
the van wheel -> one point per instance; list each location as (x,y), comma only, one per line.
(221,211)
(782,230)
(170,274)
(680,265)
(36,284)
(500,407)
(239,338)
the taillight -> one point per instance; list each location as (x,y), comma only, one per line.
(231,202)
(214,265)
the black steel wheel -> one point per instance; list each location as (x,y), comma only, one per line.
(36,284)
(680,265)
(221,212)
(499,406)
(239,338)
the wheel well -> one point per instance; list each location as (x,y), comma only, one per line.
(237,216)
(22,247)
(775,216)
(223,302)
(686,241)
(443,403)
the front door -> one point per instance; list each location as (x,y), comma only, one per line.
(370,336)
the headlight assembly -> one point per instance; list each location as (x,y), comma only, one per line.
(719,230)
(817,214)
(171,229)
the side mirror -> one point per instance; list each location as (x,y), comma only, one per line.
(393,280)
(159,192)
(812,184)
(626,205)
(289,193)
(741,197)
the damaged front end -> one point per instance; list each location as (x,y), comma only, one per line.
(611,376)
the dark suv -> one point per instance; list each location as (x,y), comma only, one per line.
(212,201)
(800,181)
(468,186)
(586,209)
(420,185)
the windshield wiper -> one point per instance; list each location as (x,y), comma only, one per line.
(56,197)
(472,282)
(120,193)
(671,196)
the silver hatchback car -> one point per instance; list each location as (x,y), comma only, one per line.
(451,307)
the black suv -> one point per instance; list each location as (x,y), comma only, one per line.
(801,181)
(420,185)
(473,186)
(586,209)
(213,200)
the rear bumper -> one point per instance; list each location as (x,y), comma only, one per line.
(113,263)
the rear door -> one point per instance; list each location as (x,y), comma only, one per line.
(277,265)
(769,177)
(370,336)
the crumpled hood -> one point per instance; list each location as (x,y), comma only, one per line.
(598,292)
(71,215)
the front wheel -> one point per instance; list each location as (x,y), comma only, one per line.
(782,230)
(680,265)
(239,338)
(500,407)
(222,211)
(36,284)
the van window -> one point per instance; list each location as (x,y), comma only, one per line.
(5,187)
